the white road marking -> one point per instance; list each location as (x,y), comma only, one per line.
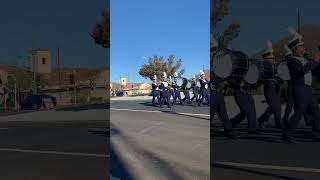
(55,152)
(148,111)
(261,166)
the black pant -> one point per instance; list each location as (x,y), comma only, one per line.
(289,106)
(204,95)
(304,102)
(247,110)
(195,95)
(177,95)
(186,96)
(218,106)
(155,94)
(274,105)
(165,98)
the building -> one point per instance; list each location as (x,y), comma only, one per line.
(132,88)
(41,61)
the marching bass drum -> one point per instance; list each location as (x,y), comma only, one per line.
(198,84)
(283,71)
(259,70)
(182,82)
(228,63)
(189,84)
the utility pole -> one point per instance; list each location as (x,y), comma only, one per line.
(59,72)
(299,21)
(34,59)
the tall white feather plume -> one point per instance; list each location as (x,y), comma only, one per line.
(293,32)
(164,74)
(269,46)
(194,76)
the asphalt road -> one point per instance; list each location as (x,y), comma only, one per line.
(263,156)
(66,144)
(159,143)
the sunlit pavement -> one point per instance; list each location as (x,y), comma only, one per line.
(159,143)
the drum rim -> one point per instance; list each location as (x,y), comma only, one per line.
(230,73)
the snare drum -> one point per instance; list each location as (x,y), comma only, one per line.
(228,63)
(283,71)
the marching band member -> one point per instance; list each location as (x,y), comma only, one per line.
(289,103)
(165,91)
(176,90)
(243,96)
(195,90)
(301,80)
(155,90)
(204,89)
(218,105)
(271,93)
(186,93)
(171,88)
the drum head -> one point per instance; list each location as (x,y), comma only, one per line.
(252,75)
(222,64)
(189,85)
(179,82)
(198,84)
(283,71)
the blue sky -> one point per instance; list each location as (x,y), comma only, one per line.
(51,24)
(263,20)
(144,28)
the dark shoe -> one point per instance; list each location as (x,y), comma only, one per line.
(278,126)
(261,124)
(232,135)
(316,136)
(288,137)
(253,133)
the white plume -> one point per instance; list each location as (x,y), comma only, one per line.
(164,74)
(269,46)
(293,32)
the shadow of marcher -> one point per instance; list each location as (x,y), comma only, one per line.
(99,106)
(118,168)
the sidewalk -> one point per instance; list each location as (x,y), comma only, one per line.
(133,98)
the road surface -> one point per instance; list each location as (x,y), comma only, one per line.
(159,143)
(70,143)
(264,156)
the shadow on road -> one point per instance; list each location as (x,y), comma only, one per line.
(85,107)
(149,104)
(268,134)
(118,168)
(266,174)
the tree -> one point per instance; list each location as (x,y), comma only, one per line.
(157,65)
(101,31)
(219,10)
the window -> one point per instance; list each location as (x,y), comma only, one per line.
(43,60)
